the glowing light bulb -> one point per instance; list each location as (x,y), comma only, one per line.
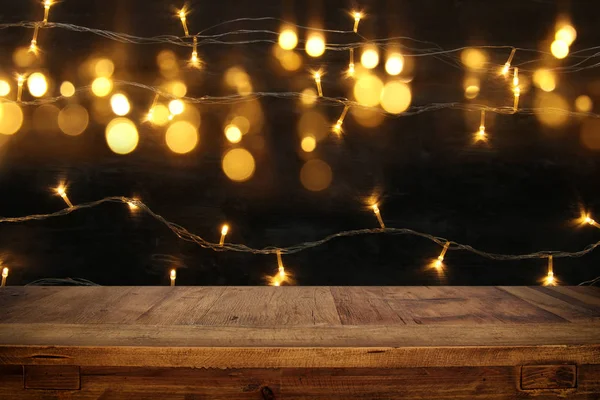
(132,205)
(317,76)
(351,64)
(357,16)
(394,64)
(516,77)
(506,67)
(276,282)
(62,192)
(182,16)
(20,81)
(590,221)
(288,40)
(516,89)
(481,135)
(375,208)
(47,5)
(280,268)
(315,45)
(173,276)
(33,45)
(120,104)
(370,57)
(194,61)
(550,280)
(439,263)
(224,230)
(150,115)
(4,276)
(337,128)
(559,49)
(176,107)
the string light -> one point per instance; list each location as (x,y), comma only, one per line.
(62,192)
(357,16)
(351,63)
(280,268)
(20,81)
(173,276)
(224,230)
(440,260)
(337,128)
(182,16)
(317,75)
(375,208)
(194,62)
(550,280)
(132,205)
(150,115)
(506,67)
(516,89)
(481,135)
(588,220)
(33,45)
(4,276)
(47,5)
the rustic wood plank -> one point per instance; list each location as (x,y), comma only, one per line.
(570,297)
(365,306)
(548,377)
(11,379)
(582,296)
(52,377)
(556,306)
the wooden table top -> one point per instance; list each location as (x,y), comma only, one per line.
(294,316)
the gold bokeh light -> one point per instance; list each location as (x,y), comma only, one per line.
(544,79)
(238,164)
(4,87)
(181,137)
(315,45)
(102,86)
(473,58)
(559,49)
(120,104)
(584,103)
(395,97)
(12,118)
(67,89)
(288,39)
(122,135)
(370,57)
(73,119)
(308,143)
(367,90)
(233,133)
(316,175)
(394,64)
(104,68)
(37,84)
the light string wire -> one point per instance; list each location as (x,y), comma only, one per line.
(186,235)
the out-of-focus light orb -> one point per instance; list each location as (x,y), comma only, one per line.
(167,63)
(177,88)
(370,57)
(395,97)
(242,123)
(4,87)
(590,133)
(315,45)
(102,86)
(473,58)
(367,117)
(548,106)
(315,123)
(567,34)
(544,79)
(12,118)
(160,116)
(23,58)
(233,133)
(121,135)
(191,115)
(290,61)
(37,84)
(73,119)
(45,118)
(181,137)
(584,103)
(120,104)
(308,143)
(236,77)
(238,164)
(471,92)
(394,64)
(367,90)
(67,89)
(316,175)
(288,39)
(308,97)
(104,68)
(559,49)
(176,107)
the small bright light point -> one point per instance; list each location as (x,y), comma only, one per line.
(308,143)
(67,89)
(315,45)
(4,272)
(120,104)
(288,39)
(357,15)
(12,118)
(370,58)
(60,190)
(394,64)
(233,133)
(4,88)
(101,87)
(276,282)
(567,34)
(224,229)
(121,135)
(559,49)
(37,84)
(132,205)
(550,280)
(176,107)
(583,103)
(173,274)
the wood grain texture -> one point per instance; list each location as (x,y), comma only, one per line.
(52,377)
(548,377)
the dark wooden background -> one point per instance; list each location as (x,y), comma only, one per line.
(518,195)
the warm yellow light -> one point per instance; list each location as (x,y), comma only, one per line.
(370,57)
(104,68)
(120,104)
(548,101)
(176,107)
(516,77)
(132,205)
(375,208)
(481,135)
(567,34)
(280,267)
(394,64)
(224,230)
(559,49)
(357,16)
(308,97)
(276,282)
(4,276)
(439,263)
(67,89)
(506,68)
(12,118)
(471,92)
(182,16)
(395,97)
(315,45)
(160,116)
(550,280)
(37,84)
(62,192)
(308,143)
(4,87)
(194,61)
(317,75)
(47,5)
(473,58)
(544,79)
(289,60)
(584,103)
(233,133)
(102,86)
(238,164)
(121,135)
(288,39)
(367,90)
(181,137)
(177,88)
(590,221)
(173,276)
(242,123)
(73,119)
(316,175)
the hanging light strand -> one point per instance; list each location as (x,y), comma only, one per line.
(337,128)
(506,67)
